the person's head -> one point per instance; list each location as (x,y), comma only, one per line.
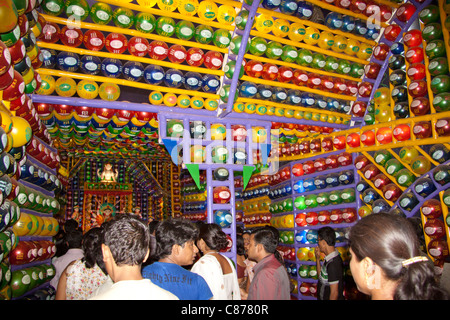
(240,249)
(326,239)
(212,236)
(263,242)
(126,239)
(246,237)
(70,225)
(91,246)
(175,238)
(74,239)
(152,226)
(382,248)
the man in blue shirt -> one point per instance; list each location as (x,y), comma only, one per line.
(175,248)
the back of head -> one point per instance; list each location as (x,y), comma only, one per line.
(171,232)
(327,234)
(213,236)
(74,239)
(389,240)
(70,225)
(128,239)
(92,241)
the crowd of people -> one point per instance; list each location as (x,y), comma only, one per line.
(176,259)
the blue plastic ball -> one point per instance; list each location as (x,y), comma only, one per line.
(304,10)
(293,97)
(270,4)
(332,180)
(300,237)
(309,185)
(332,104)
(173,78)
(312,235)
(91,65)
(334,20)
(380,205)
(298,187)
(248,89)
(49,56)
(373,31)
(193,81)
(360,27)
(348,23)
(68,61)
(279,95)
(397,48)
(308,99)
(288,7)
(223,218)
(320,182)
(133,70)
(154,74)
(321,103)
(111,67)
(211,83)
(264,92)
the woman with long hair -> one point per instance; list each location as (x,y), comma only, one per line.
(387,263)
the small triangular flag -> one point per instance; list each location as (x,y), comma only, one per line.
(265,151)
(171,145)
(246,174)
(195,173)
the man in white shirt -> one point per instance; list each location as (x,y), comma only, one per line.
(73,239)
(125,247)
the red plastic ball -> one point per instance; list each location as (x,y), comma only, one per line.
(339,142)
(158,50)
(270,71)
(300,78)
(195,57)
(384,135)
(414,55)
(392,32)
(412,38)
(417,88)
(213,60)
(416,71)
(253,68)
(381,51)
(402,132)
(405,11)
(177,53)
(353,140)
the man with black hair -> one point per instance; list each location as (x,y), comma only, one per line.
(125,247)
(271,281)
(331,273)
(175,248)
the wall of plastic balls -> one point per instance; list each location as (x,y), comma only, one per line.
(295,114)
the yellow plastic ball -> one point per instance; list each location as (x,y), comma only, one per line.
(197,103)
(188,7)
(326,40)
(270,110)
(156,97)
(261,109)
(23,225)
(312,36)
(218,131)
(87,89)
(340,44)
(167,5)
(21,132)
(198,154)
(281,28)
(183,101)
(279,111)
(207,10)
(6,121)
(250,108)
(365,51)
(48,85)
(238,107)
(264,23)
(109,91)
(259,134)
(211,104)
(146,3)
(226,14)
(352,47)
(65,87)
(297,32)
(289,113)
(382,96)
(170,99)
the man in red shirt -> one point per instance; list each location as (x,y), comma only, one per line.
(271,281)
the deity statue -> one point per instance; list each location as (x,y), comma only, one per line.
(108,175)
